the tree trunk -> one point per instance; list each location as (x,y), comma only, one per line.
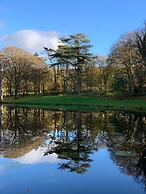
(1,84)
(16,90)
(43,90)
(10,89)
(16,84)
(1,90)
(78,81)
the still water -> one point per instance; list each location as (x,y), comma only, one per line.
(61,152)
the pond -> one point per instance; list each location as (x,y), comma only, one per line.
(66,152)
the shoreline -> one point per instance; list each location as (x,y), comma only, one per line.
(78,103)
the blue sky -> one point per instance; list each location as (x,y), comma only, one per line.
(102,20)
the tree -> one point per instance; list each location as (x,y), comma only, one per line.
(22,64)
(105,70)
(140,42)
(91,80)
(4,62)
(74,52)
(79,56)
(119,84)
(125,59)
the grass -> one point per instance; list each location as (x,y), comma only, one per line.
(79,103)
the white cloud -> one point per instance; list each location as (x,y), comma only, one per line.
(32,40)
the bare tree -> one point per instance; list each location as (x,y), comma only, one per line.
(4,62)
(22,64)
(140,42)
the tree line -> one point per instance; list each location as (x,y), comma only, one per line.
(73,69)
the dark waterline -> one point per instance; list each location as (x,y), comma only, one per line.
(61,152)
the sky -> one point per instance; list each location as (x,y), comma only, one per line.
(33,24)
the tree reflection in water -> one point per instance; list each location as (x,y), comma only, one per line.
(74,136)
(129,136)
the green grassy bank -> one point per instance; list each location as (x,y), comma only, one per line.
(81,103)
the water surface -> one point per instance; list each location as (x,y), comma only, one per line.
(61,152)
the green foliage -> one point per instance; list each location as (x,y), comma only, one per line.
(119,84)
(74,54)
